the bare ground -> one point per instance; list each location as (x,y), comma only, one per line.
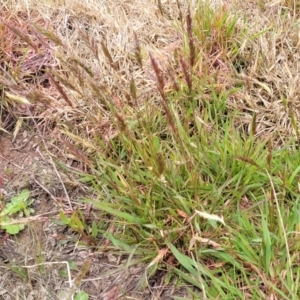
(33,263)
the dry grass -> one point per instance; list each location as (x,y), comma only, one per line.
(84,33)
(268,60)
(269,64)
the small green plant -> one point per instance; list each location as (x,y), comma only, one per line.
(82,295)
(18,205)
(76,221)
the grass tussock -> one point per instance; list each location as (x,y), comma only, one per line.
(187,122)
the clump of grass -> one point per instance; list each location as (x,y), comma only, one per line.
(173,168)
(191,179)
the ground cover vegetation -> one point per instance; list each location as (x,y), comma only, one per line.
(183,124)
